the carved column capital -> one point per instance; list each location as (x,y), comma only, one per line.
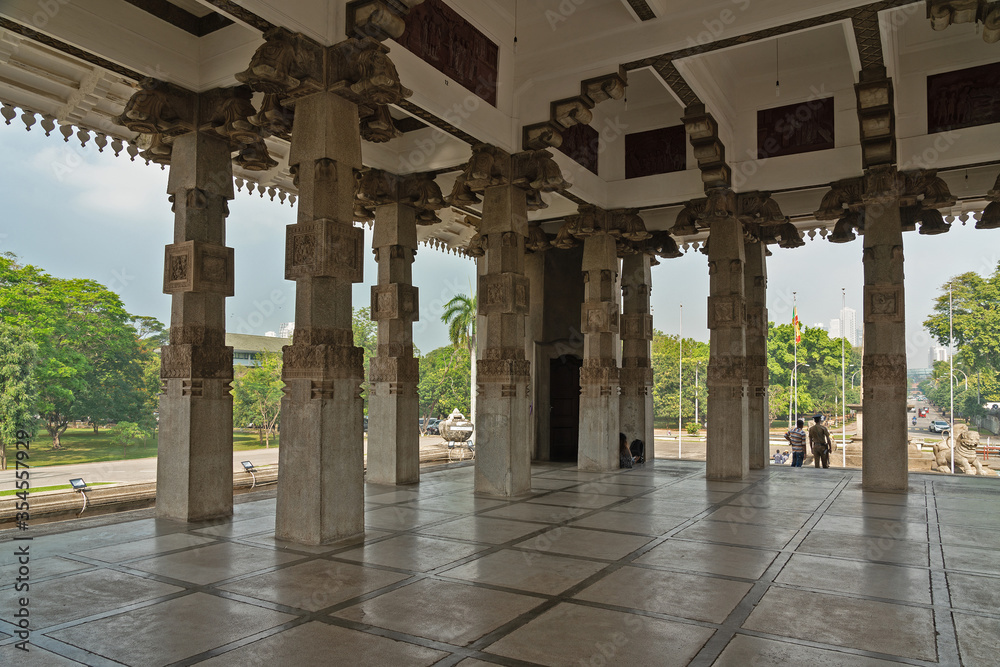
(883,184)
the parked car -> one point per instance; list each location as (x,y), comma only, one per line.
(938,426)
(366,423)
(431,423)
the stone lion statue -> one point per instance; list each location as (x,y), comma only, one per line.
(966,458)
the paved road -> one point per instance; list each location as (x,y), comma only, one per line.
(136,470)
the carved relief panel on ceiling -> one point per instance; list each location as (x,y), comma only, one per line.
(659,151)
(963,98)
(438,35)
(795,128)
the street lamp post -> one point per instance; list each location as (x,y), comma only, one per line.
(843,382)
(852,378)
(680,378)
(794,386)
(696,367)
(951,376)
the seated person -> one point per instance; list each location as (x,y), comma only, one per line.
(625,457)
(638,450)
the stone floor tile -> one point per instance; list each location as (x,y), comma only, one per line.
(584,543)
(609,489)
(43,567)
(441,610)
(842,621)
(36,657)
(878,510)
(762,517)
(392,497)
(966,505)
(170,631)
(84,594)
(80,537)
(848,576)
(570,499)
(205,565)
(971,559)
(271,542)
(264,524)
(415,553)
(472,662)
(630,522)
(314,585)
(742,534)
(403,518)
(483,529)
(966,518)
(868,526)
(963,535)
(664,507)
(745,650)
(978,640)
(324,644)
(527,570)
(545,484)
(688,595)
(689,495)
(974,592)
(911,499)
(901,552)
(147,547)
(709,558)
(533,512)
(777,502)
(454,503)
(570,635)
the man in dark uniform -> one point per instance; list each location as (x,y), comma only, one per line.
(821,442)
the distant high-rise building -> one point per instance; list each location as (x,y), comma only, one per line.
(849,326)
(834,328)
(286,330)
(937,353)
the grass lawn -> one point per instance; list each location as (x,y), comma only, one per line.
(82,445)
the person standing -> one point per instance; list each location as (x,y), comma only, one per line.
(797,438)
(821,442)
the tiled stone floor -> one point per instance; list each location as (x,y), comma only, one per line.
(652,566)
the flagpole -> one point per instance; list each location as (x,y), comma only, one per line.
(951,377)
(843,381)
(680,376)
(795,361)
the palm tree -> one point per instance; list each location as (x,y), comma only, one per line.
(460,316)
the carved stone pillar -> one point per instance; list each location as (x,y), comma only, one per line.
(393,436)
(321,478)
(758,420)
(194,470)
(599,377)
(636,402)
(728,435)
(884,451)
(503,454)
(196,135)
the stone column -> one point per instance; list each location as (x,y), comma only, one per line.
(599,377)
(393,436)
(321,463)
(755,281)
(636,402)
(884,451)
(194,466)
(503,455)
(728,435)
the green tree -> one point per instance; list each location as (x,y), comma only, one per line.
(89,352)
(127,433)
(444,379)
(975,312)
(257,395)
(365,337)
(460,316)
(819,370)
(18,390)
(666,372)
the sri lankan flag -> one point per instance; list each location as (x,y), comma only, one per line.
(795,325)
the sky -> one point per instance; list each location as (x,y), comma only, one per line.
(79,213)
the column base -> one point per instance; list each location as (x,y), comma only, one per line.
(727,455)
(503,454)
(393,437)
(599,428)
(194,463)
(321,462)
